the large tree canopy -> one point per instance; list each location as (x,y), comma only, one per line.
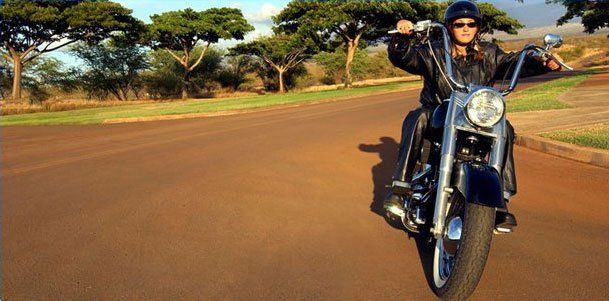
(281,52)
(351,24)
(594,14)
(358,23)
(31,28)
(179,32)
(494,19)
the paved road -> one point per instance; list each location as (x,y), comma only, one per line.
(267,206)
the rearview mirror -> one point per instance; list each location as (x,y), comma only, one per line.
(552,41)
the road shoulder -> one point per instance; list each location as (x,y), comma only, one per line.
(593,156)
(590,107)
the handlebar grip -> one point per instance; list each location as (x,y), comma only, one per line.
(418,27)
(561,63)
(544,55)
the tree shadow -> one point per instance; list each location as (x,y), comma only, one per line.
(382,173)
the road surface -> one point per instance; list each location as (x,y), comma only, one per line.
(273,205)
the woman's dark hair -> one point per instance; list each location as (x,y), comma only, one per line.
(475,46)
(479,49)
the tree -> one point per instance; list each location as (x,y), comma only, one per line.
(112,68)
(204,79)
(234,71)
(29,29)
(594,14)
(351,24)
(44,75)
(164,79)
(495,19)
(333,63)
(281,52)
(269,75)
(360,23)
(179,32)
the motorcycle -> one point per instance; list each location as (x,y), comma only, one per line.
(459,178)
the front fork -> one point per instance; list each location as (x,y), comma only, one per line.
(447,159)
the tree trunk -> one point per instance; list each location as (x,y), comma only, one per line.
(281,85)
(351,47)
(185,85)
(17,73)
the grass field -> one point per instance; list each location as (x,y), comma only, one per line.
(573,46)
(544,96)
(99,115)
(594,136)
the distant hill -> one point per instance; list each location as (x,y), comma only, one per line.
(569,29)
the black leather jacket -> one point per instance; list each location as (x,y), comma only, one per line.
(416,58)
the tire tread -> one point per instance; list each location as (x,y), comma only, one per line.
(472,254)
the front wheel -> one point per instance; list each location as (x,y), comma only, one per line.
(460,257)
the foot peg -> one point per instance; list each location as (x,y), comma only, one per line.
(400,187)
(499,230)
(505,222)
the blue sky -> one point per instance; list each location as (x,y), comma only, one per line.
(258,13)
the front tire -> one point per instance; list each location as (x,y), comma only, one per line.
(456,276)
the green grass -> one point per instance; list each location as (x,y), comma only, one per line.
(98,115)
(544,96)
(572,54)
(597,136)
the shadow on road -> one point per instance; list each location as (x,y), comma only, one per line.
(381,176)
(381,172)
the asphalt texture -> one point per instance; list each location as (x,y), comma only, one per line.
(275,205)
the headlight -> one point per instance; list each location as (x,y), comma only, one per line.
(485,108)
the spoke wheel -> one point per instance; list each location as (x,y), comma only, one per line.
(460,256)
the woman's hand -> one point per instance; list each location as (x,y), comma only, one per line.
(405,27)
(553,65)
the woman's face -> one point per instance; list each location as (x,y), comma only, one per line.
(464,30)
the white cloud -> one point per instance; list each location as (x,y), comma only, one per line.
(267,10)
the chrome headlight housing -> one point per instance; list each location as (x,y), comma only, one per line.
(485,108)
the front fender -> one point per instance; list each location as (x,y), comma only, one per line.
(479,184)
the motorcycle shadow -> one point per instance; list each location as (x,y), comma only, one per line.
(387,150)
(382,173)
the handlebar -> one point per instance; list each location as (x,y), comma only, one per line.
(420,26)
(425,26)
(527,48)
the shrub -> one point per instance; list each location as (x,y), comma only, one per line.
(111,69)
(234,71)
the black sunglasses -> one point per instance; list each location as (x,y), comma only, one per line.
(461,25)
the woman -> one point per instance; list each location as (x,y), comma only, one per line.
(474,61)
